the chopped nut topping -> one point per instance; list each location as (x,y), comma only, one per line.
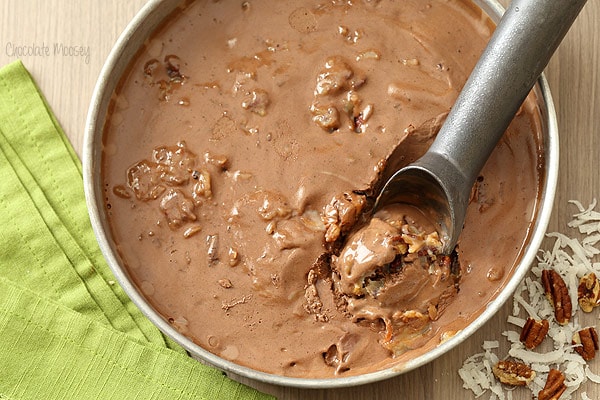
(335,96)
(144,179)
(588,292)
(225,283)
(121,191)
(587,341)
(557,293)
(175,163)
(341,214)
(173,66)
(191,231)
(257,101)
(411,61)
(202,188)
(212,243)
(369,55)
(166,75)
(554,387)
(327,117)
(447,335)
(218,160)
(177,208)
(348,35)
(233,257)
(150,67)
(534,332)
(334,77)
(513,373)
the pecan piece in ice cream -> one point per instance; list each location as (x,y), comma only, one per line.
(257,101)
(336,97)
(513,373)
(557,293)
(177,208)
(341,214)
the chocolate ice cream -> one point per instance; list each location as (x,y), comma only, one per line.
(240,160)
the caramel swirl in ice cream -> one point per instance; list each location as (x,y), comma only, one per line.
(241,156)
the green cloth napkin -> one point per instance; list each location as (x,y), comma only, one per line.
(67,329)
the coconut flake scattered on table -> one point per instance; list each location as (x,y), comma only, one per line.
(571,258)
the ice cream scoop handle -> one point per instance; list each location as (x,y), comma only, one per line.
(519,50)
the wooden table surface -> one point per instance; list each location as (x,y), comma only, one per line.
(67,80)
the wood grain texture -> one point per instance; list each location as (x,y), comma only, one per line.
(573,74)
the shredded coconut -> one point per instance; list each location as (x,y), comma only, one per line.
(491,344)
(591,376)
(571,258)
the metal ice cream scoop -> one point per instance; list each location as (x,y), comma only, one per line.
(439,183)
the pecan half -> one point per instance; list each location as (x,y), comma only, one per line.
(587,341)
(557,293)
(554,387)
(588,292)
(513,373)
(534,332)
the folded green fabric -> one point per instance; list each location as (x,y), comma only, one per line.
(67,330)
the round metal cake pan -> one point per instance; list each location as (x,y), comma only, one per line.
(134,36)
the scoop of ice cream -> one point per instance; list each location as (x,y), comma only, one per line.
(367,258)
(392,269)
